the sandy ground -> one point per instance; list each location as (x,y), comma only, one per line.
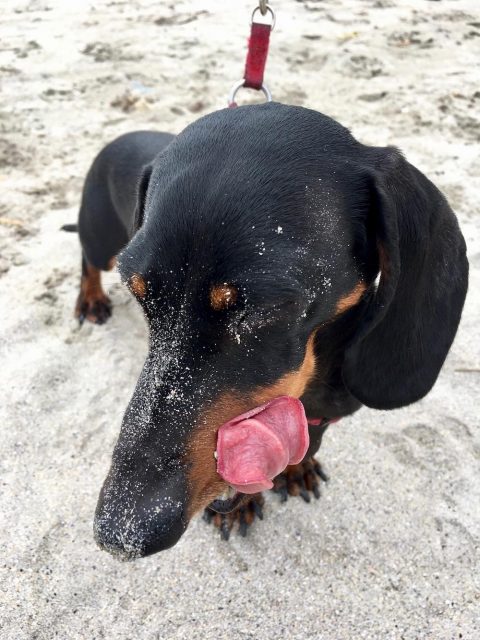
(392,549)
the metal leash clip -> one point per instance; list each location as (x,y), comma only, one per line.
(239,85)
(256,55)
(265,8)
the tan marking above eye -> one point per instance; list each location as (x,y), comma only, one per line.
(137,285)
(351,298)
(222,296)
(90,284)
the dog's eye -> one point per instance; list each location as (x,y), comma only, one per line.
(223,296)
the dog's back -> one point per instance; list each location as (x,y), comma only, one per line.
(109,193)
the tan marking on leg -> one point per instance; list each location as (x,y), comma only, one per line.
(112,263)
(91,283)
(223,296)
(91,293)
(299,479)
(351,298)
(204,482)
(137,285)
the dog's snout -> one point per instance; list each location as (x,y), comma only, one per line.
(129,540)
(133,524)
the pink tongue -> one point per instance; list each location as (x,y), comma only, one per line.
(255,447)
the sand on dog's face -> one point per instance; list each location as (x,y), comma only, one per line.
(392,548)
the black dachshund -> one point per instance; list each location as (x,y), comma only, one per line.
(273,255)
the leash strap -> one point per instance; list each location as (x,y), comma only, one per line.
(257,55)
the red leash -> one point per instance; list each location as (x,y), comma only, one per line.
(256,55)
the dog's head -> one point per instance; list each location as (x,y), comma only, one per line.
(260,230)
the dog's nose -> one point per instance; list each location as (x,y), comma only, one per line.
(133,524)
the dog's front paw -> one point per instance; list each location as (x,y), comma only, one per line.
(244,516)
(300,480)
(96,309)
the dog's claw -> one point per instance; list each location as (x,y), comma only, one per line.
(208,515)
(305,495)
(224,530)
(300,480)
(244,515)
(242,527)
(257,507)
(319,471)
(280,487)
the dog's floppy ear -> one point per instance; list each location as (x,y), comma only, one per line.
(411,319)
(142,188)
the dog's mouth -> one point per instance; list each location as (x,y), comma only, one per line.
(228,502)
(256,446)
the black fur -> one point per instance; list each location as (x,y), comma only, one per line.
(284,204)
(407,328)
(110,194)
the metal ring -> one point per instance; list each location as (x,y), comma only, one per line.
(268,10)
(238,85)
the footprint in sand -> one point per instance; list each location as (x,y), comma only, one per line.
(408,39)
(362,67)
